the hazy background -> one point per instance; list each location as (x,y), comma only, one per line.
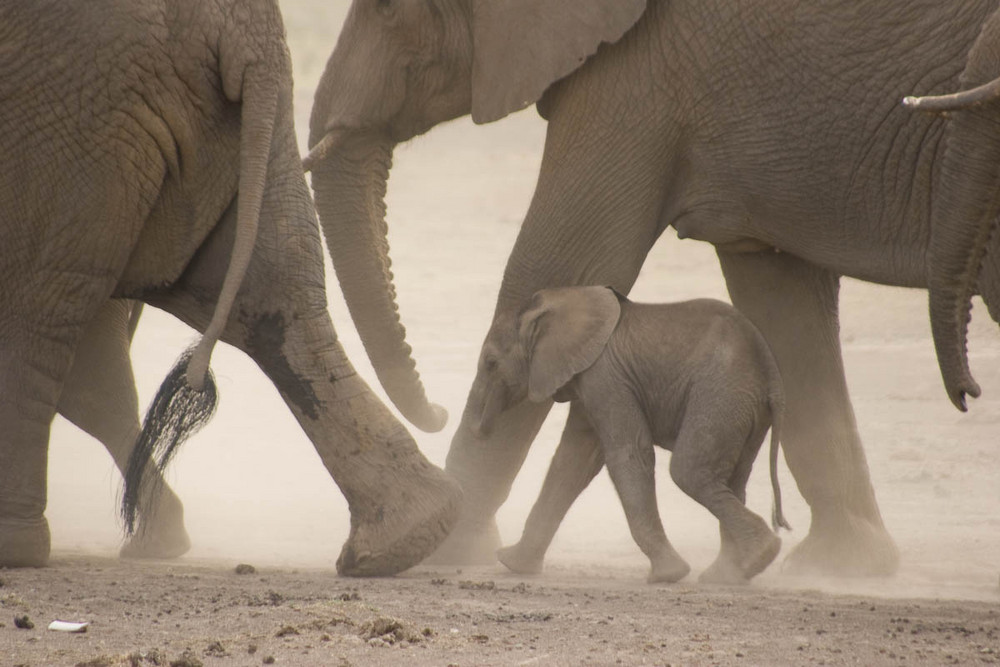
(254,490)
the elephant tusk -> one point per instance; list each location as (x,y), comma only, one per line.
(319,152)
(956,101)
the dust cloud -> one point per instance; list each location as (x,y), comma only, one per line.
(255,491)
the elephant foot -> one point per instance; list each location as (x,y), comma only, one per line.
(762,554)
(404,531)
(849,546)
(470,543)
(24,543)
(723,572)
(516,559)
(667,569)
(748,547)
(162,537)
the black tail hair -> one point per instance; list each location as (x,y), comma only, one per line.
(176,412)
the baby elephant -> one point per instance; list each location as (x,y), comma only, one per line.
(696,378)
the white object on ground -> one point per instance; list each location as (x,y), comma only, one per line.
(66,626)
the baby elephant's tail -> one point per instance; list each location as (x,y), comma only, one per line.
(777,416)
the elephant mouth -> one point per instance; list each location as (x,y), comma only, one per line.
(484,415)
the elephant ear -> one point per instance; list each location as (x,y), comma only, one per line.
(521,47)
(562,332)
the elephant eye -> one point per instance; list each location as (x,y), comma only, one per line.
(490,364)
(384,5)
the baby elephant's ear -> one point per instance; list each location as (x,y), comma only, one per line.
(563,332)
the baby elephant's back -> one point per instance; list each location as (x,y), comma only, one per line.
(709,343)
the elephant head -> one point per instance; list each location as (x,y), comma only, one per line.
(561,333)
(399,68)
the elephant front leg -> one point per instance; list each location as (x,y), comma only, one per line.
(629,455)
(576,462)
(795,305)
(485,469)
(100,398)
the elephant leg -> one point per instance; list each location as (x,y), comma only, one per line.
(630,459)
(711,463)
(401,505)
(795,306)
(36,352)
(577,461)
(475,539)
(26,415)
(99,397)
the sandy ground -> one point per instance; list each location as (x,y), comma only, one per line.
(203,614)
(255,492)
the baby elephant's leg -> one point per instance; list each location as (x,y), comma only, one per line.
(576,462)
(630,460)
(711,463)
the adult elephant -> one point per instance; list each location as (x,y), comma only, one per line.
(771,130)
(149,153)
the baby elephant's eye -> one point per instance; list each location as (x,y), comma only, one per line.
(490,364)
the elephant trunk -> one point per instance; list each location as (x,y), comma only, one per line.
(961,227)
(350,184)
(964,211)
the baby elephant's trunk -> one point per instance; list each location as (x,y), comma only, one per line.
(777,414)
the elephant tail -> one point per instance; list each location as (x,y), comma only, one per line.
(777,404)
(187,398)
(259,96)
(177,412)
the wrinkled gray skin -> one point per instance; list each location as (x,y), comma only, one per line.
(773,131)
(148,153)
(695,378)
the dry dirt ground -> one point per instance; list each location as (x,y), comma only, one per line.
(255,492)
(205,614)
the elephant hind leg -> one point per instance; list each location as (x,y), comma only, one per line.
(99,397)
(401,505)
(711,463)
(795,304)
(33,362)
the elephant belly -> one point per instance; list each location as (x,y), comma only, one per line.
(712,228)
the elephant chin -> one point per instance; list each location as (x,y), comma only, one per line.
(350,186)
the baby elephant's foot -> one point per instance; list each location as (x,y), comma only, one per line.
(668,568)
(517,559)
(760,554)
(723,571)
